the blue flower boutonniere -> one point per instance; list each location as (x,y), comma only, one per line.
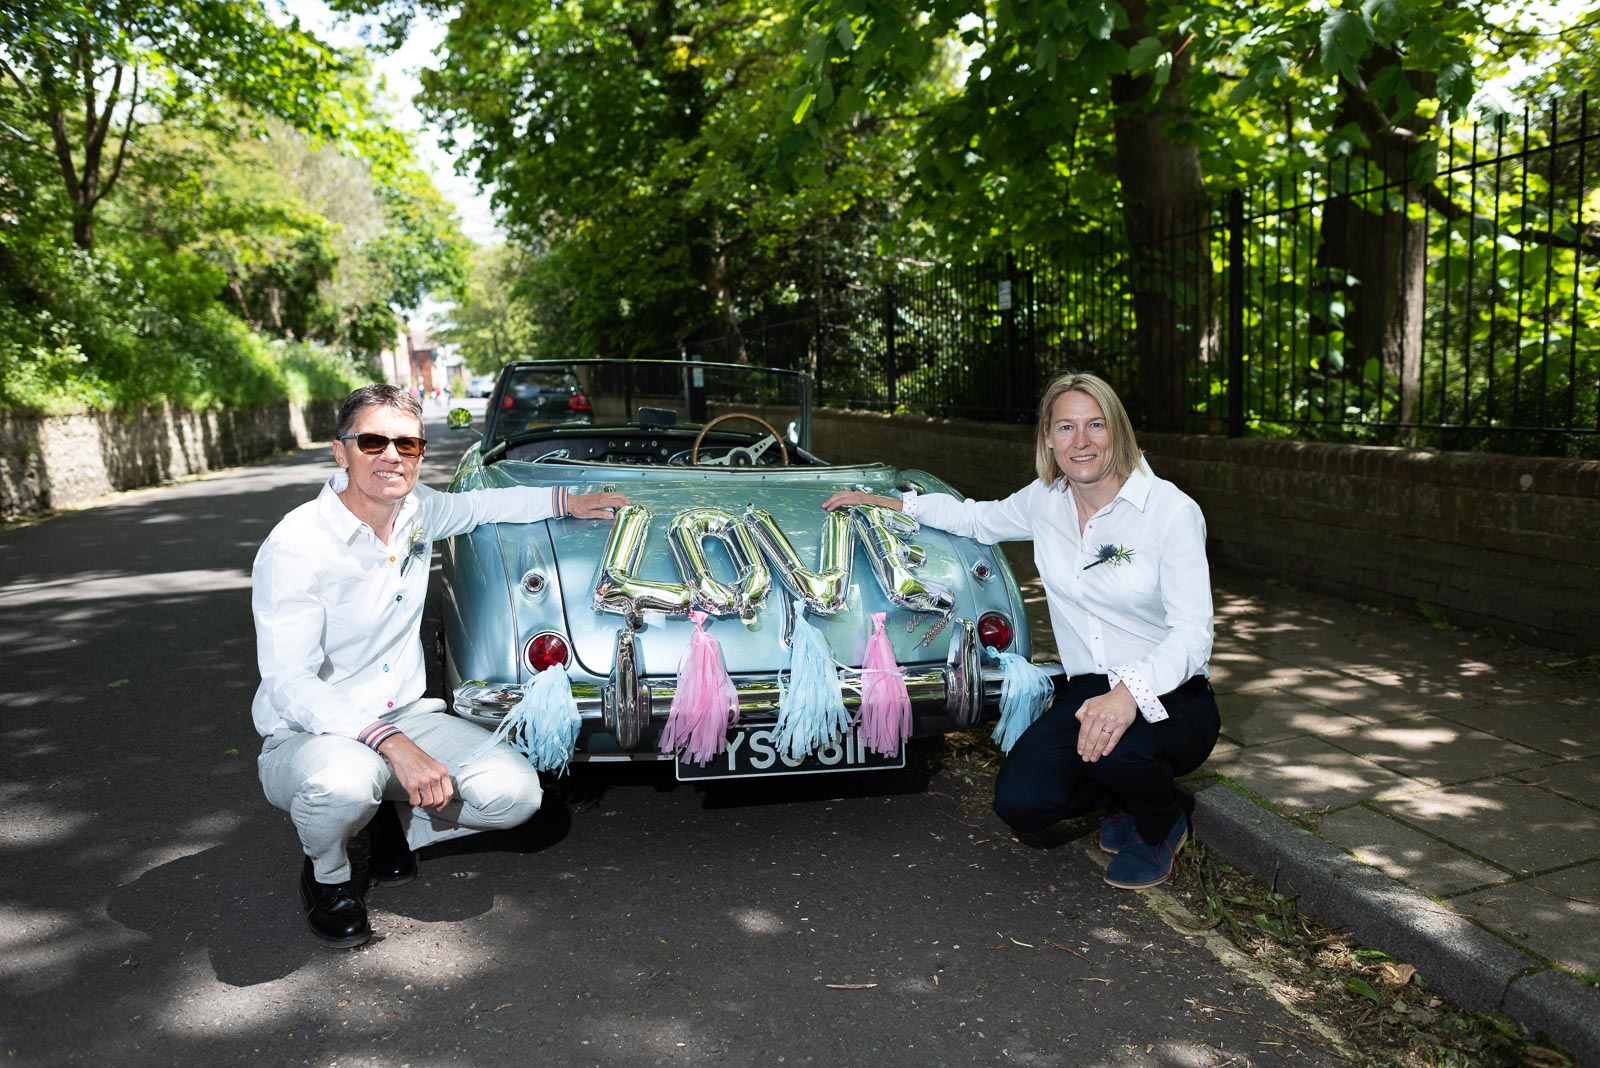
(1110,554)
(415,551)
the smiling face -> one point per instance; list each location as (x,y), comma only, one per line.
(378,481)
(1080,440)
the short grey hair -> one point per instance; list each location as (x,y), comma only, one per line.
(379,395)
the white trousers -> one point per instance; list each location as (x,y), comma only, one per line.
(331,786)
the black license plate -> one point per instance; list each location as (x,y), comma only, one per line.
(752,751)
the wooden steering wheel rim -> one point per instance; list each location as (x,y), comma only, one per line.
(694,451)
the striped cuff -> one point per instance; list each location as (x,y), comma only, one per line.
(1150,706)
(375,735)
(558,502)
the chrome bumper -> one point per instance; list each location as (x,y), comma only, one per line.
(628,701)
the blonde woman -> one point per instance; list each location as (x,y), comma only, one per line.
(1122,556)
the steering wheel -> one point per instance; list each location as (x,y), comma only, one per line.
(754,452)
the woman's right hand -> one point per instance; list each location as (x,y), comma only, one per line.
(850,498)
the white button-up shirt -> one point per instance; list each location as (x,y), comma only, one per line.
(1143,618)
(339,613)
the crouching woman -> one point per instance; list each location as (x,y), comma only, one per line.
(1122,557)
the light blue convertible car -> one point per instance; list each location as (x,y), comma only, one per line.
(726,520)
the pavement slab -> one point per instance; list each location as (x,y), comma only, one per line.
(1578,780)
(1557,914)
(1402,852)
(1437,751)
(1308,774)
(1566,727)
(1519,826)
(1272,715)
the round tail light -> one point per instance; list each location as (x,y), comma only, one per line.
(546,649)
(994,629)
(505,402)
(579,403)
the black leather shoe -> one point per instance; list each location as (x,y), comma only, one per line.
(336,915)
(393,862)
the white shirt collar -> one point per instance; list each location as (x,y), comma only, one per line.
(341,520)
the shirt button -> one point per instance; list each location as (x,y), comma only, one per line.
(391,559)
(399,597)
(390,704)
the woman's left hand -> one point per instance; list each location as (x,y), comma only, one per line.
(1103,720)
(595,505)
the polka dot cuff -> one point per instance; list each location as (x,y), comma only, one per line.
(1150,706)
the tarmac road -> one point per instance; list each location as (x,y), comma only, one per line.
(148,913)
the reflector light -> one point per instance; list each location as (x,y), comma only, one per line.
(994,629)
(546,649)
(579,403)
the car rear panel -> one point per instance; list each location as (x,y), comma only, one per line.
(794,498)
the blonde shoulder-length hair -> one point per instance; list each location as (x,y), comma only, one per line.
(1124,452)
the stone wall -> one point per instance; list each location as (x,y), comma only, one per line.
(56,461)
(1505,542)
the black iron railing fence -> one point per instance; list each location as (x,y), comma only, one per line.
(1363,301)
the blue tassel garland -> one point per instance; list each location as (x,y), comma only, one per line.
(543,726)
(1025,692)
(811,710)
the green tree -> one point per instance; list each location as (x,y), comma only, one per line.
(1054,100)
(491,324)
(629,147)
(93,76)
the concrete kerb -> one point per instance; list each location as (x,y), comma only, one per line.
(1456,957)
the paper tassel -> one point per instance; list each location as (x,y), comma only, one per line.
(885,705)
(705,704)
(1025,692)
(543,726)
(811,709)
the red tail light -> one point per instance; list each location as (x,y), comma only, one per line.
(505,402)
(994,629)
(579,403)
(546,649)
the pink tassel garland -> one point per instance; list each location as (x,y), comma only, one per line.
(885,717)
(706,703)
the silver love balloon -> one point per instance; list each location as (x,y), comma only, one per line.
(618,589)
(688,535)
(823,590)
(883,531)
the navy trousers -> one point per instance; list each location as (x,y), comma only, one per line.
(1044,779)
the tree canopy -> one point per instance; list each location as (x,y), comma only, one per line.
(182,183)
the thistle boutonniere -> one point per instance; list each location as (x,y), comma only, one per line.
(1110,554)
(416,550)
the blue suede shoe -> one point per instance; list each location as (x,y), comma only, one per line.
(1115,830)
(1140,865)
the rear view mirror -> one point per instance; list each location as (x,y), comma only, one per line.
(657,417)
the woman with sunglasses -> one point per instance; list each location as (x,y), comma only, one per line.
(1122,555)
(337,593)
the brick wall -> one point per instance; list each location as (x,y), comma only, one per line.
(1505,542)
(56,461)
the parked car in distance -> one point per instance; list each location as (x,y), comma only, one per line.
(529,396)
(725,518)
(480,385)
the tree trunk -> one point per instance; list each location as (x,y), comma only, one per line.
(727,314)
(1164,211)
(1373,254)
